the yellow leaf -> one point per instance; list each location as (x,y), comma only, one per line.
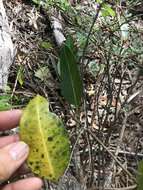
(47,138)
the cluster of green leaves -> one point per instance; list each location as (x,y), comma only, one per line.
(9,101)
(5,102)
(62,4)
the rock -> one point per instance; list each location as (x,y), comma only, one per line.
(6,48)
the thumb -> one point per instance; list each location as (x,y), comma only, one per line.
(11,158)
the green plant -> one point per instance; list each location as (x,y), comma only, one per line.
(63,4)
(5,102)
(71,83)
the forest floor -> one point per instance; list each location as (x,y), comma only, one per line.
(106,154)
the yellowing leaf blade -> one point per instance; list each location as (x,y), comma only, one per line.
(44,132)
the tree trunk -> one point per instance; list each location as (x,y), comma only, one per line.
(6,47)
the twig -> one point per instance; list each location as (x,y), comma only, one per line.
(46,185)
(82,58)
(112,155)
(90,30)
(124,188)
(82,66)
(128,153)
(109,177)
(119,152)
(118,97)
(74,147)
(133,96)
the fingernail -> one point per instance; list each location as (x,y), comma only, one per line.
(19,150)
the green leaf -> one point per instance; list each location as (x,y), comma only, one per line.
(69,42)
(43,73)
(20,75)
(47,138)
(81,39)
(5,102)
(58,68)
(108,11)
(140,176)
(46,45)
(36,1)
(71,84)
(95,68)
(99,1)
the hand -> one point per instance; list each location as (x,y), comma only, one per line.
(13,153)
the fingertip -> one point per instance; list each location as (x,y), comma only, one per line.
(16,138)
(16,112)
(38,181)
(8,140)
(9,119)
(32,183)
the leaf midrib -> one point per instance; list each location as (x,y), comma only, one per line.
(71,78)
(43,142)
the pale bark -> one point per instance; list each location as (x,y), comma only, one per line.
(6,47)
(56,21)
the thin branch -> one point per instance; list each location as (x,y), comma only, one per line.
(132,187)
(112,155)
(90,31)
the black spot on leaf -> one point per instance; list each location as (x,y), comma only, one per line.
(37,167)
(50,138)
(37,150)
